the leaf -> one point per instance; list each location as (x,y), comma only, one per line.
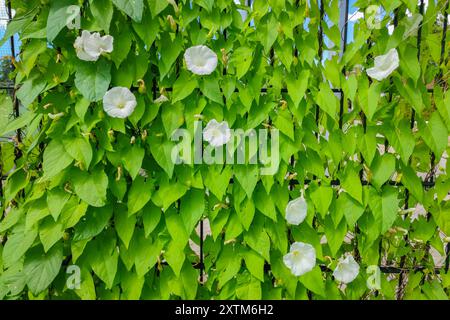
(412,182)
(96,220)
(175,256)
(104,257)
(384,207)
(58,17)
(140,193)
(206,4)
(6,110)
(210,88)
(30,90)
(122,45)
(20,122)
(132,286)
(189,278)
(268,32)
(254,263)
(93,79)
(18,243)
(434,133)
(183,87)
(56,159)
(326,100)
(156,6)
(176,228)
(350,208)
(169,50)
(248,287)
(401,138)
(132,159)
(162,152)
(313,281)
(50,233)
(15,182)
(80,149)
(102,10)
(91,187)
(264,203)
(382,169)
(297,86)
(335,234)
(133,8)
(409,63)
(192,208)
(148,29)
(247,176)
(351,183)
(41,268)
(217,180)
(151,215)
(242,59)
(172,117)
(322,198)
(124,225)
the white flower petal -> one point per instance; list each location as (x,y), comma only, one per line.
(301,258)
(89,47)
(347,269)
(107,44)
(217,134)
(384,65)
(200,60)
(119,102)
(296,211)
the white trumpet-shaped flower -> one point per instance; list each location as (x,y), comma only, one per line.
(200,60)
(384,65)
(296,211)
(119,102)
(90,46)
(300,259)
(347,269)
(217,134)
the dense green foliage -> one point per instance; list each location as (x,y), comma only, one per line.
(76,194)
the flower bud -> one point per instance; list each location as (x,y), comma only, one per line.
(142,88)
(173,24)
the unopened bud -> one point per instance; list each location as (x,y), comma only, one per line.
(56,116)
(133,140)
(119,173)
(144,135)
(224,57)
(173,24)
(142,88)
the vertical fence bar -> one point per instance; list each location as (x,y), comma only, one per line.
(402,274)
(344,9)
(17,151)
(441,75)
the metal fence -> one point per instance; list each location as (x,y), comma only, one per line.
(9,51)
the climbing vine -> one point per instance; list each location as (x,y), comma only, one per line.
(95,206)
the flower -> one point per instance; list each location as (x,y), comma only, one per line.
(201,60)
(217,134)
(384,65)
(119,102)
(347,269)
(296,211)
(89,47)
(301,258)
